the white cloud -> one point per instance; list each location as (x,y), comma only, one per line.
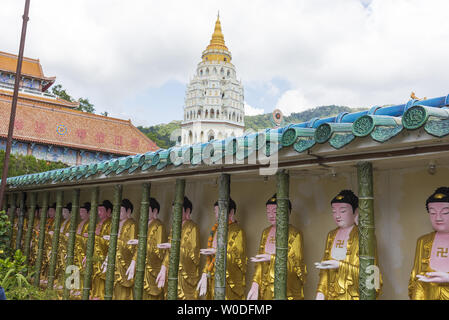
(292,101)
(251,111)
(344,52)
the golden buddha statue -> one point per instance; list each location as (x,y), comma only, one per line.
(49,226)
(189,257)
(339,269)
(429,279)
(262,287)
(34,244)
(102,229)
(62,248)
(81,247)
(124,262)
(154,257)
(236,260)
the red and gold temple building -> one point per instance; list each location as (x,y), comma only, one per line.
(51,128)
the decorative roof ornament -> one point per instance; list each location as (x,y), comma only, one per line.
(413,96)
(277,118)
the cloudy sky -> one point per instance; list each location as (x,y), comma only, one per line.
(134,58)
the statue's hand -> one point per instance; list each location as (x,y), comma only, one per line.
(261,257)
(133,241)
(160,280)
(84,261)
(437,277)
(253,293)
(327,264)
(131,269)
(202,285)
(320,296)
(208,251)
(104,266)
(107,237)
(67,234)
(85,235)
(50,233)
(165,245)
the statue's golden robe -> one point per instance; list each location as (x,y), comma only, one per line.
(235,266)
(80,252)
(418,290)
(62,254)
(343,283)
(123,288)
(296,269)
(154,259)
(189,261)
(34,242)
(100,253)
(47,248)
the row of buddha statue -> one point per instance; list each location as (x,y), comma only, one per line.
(339,268)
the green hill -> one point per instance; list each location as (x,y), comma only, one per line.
(160,133)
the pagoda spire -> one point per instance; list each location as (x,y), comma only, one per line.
(217,41)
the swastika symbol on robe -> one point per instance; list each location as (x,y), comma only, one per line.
(442,252)
(339,244)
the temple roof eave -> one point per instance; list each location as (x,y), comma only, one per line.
(418,129)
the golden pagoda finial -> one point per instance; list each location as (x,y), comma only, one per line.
(217,43)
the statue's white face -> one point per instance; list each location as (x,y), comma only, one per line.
(51,213)
(216,210)
(124,214)
(65,213)
(103,213)
(343,215)
(271,213)
(84,214)
(152,213)
(439,216)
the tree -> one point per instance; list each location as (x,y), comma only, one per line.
(21,165)
(85,105)
(57,90)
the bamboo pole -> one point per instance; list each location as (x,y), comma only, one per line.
(112,250)
(142,247)
(55,240)
(222,237)
(40,249)
(367,241)
(90,243)
(280,265)
(30,228)
(20,220)
(74,219)
(5,203)
(11,219)
(172,284)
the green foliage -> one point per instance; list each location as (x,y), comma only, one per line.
(16,286)
(263,121)
(84,104)
(57,90)
(20,165)
(5,250)
(160,133)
